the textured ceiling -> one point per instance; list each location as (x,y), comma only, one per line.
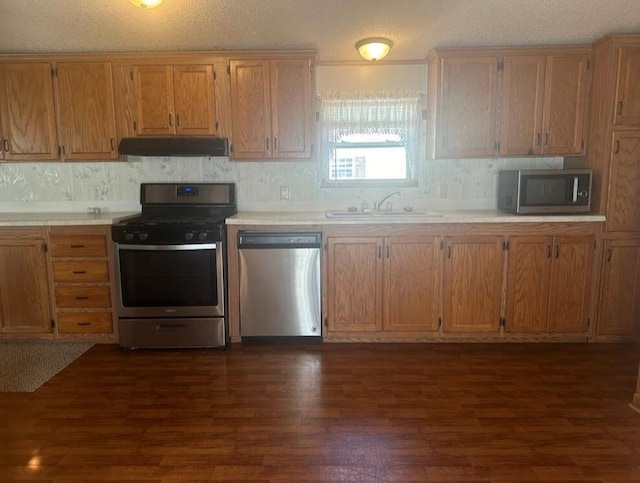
(331,27)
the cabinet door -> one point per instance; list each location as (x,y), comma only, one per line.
(472,283)
(291,106)
(87,116)
(522,95)
(27,112)
(2,139)
(528,275)
(194,97)
(628,91)
(153,93)
(570,284)
(251,110)
(619,308)
(467,116)
(24,288)
(412,281)
(354,284)
(564,104)
(623,209)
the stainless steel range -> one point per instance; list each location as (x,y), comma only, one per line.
(171,264)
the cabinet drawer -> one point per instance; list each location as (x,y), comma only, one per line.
(78,246)
(83,297)
(84,322)
(80,271)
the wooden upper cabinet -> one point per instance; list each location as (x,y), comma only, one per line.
(522,103)
(87,117)
(412,283)
(627,101)
(174,100)
(619,308)
(251,109)
(153,87)
(291,107)
(354,284)
(271,104)
(466,106)
(194,99)
(543,104)
(27,112)
(565,91)
(623,208)
(473,268)
(501,102)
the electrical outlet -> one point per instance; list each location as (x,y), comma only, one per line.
(285,193)
(443,191)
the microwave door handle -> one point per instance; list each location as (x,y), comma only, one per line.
(575,189)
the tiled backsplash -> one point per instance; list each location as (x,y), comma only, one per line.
(115,186)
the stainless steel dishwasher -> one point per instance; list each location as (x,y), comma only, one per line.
(279,285)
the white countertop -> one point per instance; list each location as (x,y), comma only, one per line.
(61,218)
(301,218)
(454,216)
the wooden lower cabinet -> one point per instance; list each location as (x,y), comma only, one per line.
(412,283)
(24,283)
(619,303)
(354,284)
(81,278)
(549,283)
(473,267)
(386,284)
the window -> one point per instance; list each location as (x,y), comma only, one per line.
(371,139)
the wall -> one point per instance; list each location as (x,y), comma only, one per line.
(115,186)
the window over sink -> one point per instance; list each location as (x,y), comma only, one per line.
(370,139)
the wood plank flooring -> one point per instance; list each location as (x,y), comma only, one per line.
(329,413)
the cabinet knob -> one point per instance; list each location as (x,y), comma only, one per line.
(619,109)
(5,145)
(609,254)
(616,146)
(170,120)
(178,119)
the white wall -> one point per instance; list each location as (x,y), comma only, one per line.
(114,186)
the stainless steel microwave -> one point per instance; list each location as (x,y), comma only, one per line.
(542,191)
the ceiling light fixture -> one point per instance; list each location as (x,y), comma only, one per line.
(146,3)
(374,48)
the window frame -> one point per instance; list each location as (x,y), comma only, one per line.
(411,132)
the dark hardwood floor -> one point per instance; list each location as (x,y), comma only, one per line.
(332,412)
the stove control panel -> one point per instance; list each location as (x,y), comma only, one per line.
(165,234)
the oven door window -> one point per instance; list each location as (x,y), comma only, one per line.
(168,277)
(540,191)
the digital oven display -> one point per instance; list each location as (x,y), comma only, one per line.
(187,191)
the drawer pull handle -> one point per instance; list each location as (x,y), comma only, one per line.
(619,110)
(170,326)
(77,246)
(78,272)
(82,297)
(609,255)
(83,324)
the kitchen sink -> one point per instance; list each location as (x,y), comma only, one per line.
(357,215)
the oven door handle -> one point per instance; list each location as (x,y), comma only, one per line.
(193,246)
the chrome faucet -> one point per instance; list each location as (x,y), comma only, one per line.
(378,206)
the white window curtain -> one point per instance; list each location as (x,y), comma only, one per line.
(396,113)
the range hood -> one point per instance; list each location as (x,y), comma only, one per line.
(175,146)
